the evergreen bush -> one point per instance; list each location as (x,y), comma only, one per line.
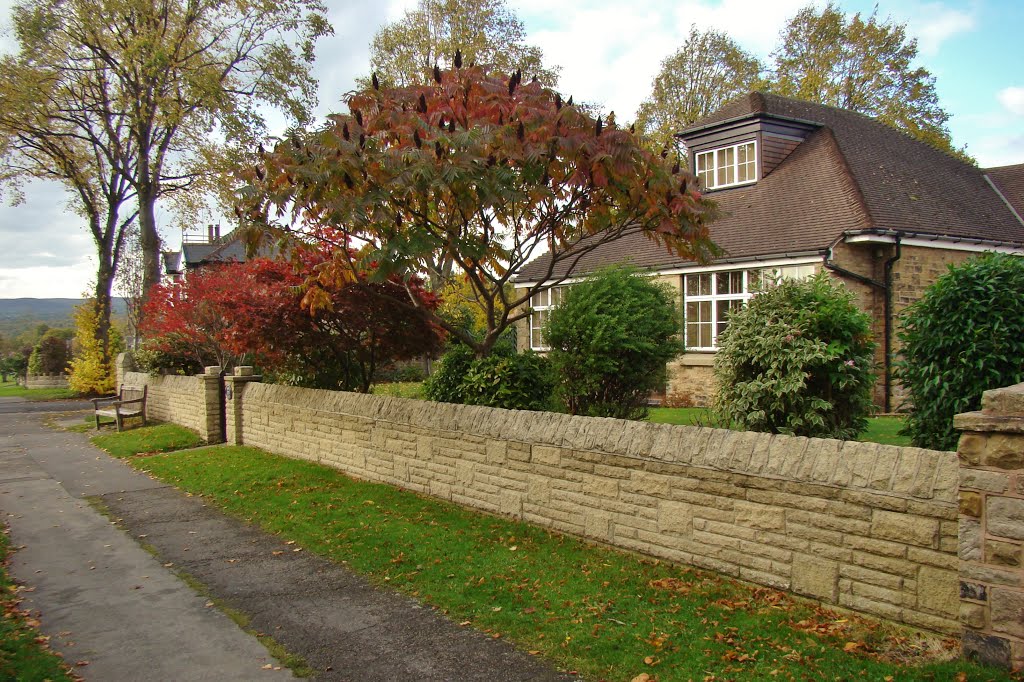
(798,360)
(610,339)
(963,337)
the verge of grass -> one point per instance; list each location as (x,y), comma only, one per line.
(605,613)
(12,390)
(23,651)
(146,440)
(400,389)
(884,430)
(297,664)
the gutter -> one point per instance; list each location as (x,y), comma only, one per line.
(886,286)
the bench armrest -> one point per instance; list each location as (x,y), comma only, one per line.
(107,399)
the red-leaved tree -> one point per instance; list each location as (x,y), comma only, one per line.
(474,174)
(252,310)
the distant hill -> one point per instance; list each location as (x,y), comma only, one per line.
(19,314)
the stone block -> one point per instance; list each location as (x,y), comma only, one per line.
(975,591)
(598,525)
(675,518)
(969,546)
(1002,553)
(600,487)
(1007,611)
(1004,451)
(1005,517)
(985,481)
(938,591)
(986,649)
(497,451)
(546,455)
(464,472)
(970,504)
(971,448)
(904,528)
(813,577)
(511,503)
(973,615)
(759,516)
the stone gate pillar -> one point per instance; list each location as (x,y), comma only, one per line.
(234,390)
(991,453)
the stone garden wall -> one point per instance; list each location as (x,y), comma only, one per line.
(868,527)
(46,381)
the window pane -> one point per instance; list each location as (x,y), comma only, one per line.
(729,283)
(698,285)
(705,335)
(535,341)
(755,280)
(722,313)
(726,166)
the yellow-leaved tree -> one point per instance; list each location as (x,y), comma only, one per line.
(91,371)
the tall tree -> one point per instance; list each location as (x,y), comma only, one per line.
(861,64)
(483,31)
(54,125)
(709,69)
(186,75)
(476,168)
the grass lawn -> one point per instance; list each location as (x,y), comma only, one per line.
(150,439)
(884,430)
(607,614)
(23,652)
(400,389)
(9,389)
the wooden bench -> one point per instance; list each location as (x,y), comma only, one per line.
(129,402)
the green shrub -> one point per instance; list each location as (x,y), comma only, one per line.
(965,336)
(798,360)
(445,384)
(610,339)
(502,379)
(515,382)
(91,371)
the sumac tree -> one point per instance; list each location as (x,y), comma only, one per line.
(474,173)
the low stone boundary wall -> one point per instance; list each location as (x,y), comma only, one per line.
(46,381)
(192,401)
(859,525)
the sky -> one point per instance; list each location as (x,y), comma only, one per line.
(609,53)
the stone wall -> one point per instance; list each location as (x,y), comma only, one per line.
(192,401)
(46,381)
(992,528)
(859,525)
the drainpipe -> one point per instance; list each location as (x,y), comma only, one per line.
(889,263)
(886,287)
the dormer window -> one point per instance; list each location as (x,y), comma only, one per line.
(728,166)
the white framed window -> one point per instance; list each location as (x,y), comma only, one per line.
(541,304)
(709,297)
(728,166)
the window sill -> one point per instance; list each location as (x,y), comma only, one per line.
(701,358)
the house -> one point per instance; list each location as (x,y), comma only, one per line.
(804,187)
(206,248)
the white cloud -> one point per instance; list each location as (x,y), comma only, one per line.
(933,23)
(998,150)
(71,281)
(1012,99)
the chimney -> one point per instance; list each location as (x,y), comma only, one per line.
(209,233)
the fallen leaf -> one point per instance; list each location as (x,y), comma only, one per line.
(642,677)
(278,552)
(850,647)
(268,666)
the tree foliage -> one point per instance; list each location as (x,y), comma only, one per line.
(962,338)
(864,65)
(610,339)
(91,371)
(50,356)
(482,31)
(224,313)
(502,379)
(705,72)
(478,169)
(798,360)
(170,81)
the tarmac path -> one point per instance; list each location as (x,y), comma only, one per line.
(119,607)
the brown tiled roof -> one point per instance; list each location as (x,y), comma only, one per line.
(853,173)
(1010,181)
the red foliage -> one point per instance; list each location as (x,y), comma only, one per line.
(255,309)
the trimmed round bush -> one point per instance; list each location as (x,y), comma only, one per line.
(798,360)
(445,384)
(610,339)
(965,336)
(502,379)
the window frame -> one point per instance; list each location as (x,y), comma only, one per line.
(714,298)
(539,313)
(735,166)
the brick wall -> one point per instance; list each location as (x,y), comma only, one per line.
(864,526)
(192,401)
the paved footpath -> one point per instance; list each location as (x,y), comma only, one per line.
(106,600)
